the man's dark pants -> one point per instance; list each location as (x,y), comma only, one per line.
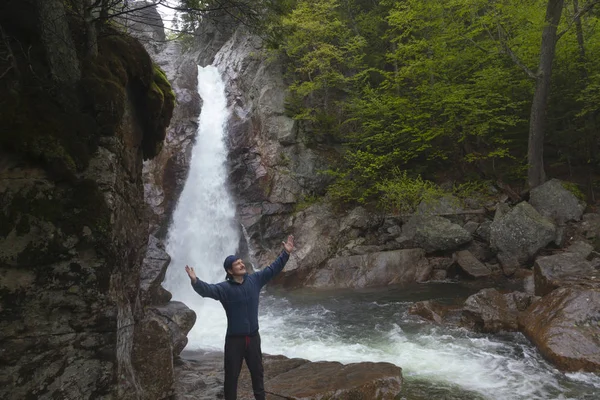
(238,348)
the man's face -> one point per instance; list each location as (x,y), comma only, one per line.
(238,268)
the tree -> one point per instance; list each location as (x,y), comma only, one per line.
(535,153)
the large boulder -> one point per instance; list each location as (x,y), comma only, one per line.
(552,200)
(434,233)
(564,327)
(520,233)
(563,269)
(436,312)
(374,269)
(490,311)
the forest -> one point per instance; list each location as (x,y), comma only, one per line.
(468,91)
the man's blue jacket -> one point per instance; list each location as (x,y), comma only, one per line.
(240,300)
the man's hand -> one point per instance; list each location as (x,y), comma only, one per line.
(289,245)
(191,273)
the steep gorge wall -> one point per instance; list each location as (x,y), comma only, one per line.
(73,222)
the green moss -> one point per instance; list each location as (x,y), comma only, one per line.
(573,188)
(159,105)
(306,202)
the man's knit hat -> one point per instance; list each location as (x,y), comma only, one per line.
(229,262)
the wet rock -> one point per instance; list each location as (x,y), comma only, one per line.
(362,381)
(552,200)
(520,233)
(164,176)
(490,311)
(153,272)
(177,320)
(551,272)
(199,377)
(374,269)
(434,233)
(471,265)
(433,311)
(269,160)
(564,326)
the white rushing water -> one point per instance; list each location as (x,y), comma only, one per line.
(336,328)
(204,230)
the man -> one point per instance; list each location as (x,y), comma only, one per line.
(239,295)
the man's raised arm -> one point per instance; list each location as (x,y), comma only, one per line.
(276,267)
(202,288)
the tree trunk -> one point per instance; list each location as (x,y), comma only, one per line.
(591,144)
(535,155)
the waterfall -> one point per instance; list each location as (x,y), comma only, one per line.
(204,230)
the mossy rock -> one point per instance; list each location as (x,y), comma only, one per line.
(60,126)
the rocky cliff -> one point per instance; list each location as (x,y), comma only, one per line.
(76,128)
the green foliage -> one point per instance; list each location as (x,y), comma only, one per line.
(573,188)
(426,86)
(402,194)
(306,202)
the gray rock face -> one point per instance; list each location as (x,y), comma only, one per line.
(434,233)
(315,232)
(164,176)
(520,233)
(491,311)
(271,167)
(374,269)
(564,269)
(358,218)
(154,268)
(70,257)
(552,200)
